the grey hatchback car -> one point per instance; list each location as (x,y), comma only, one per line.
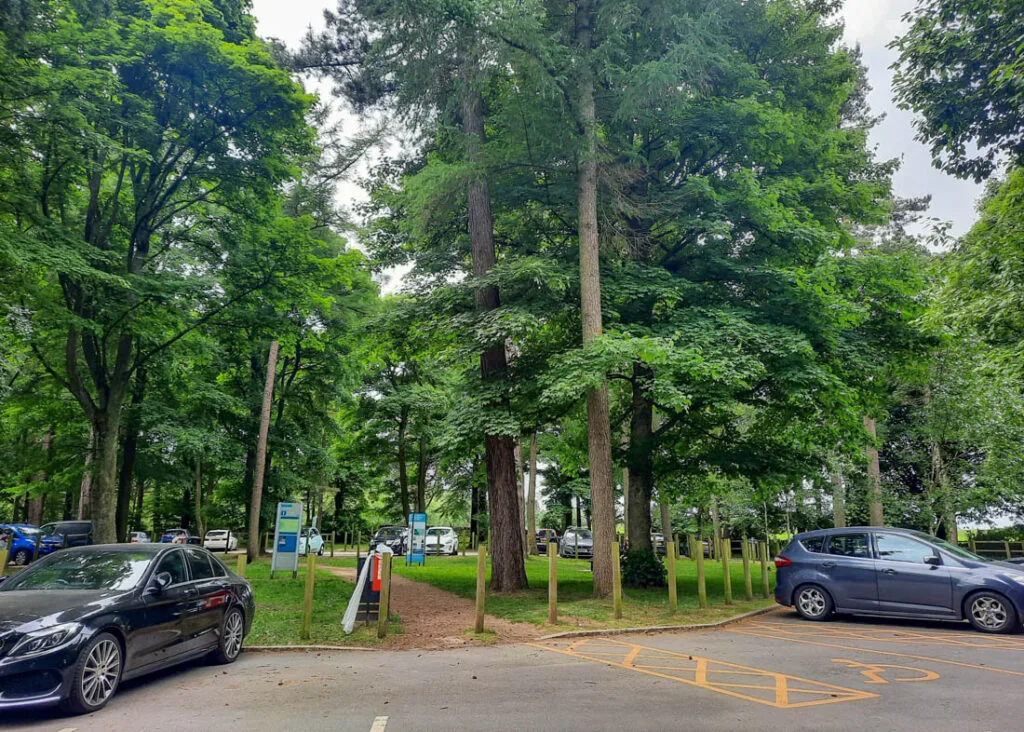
(897,573)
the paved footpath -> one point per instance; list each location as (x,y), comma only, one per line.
(773,672)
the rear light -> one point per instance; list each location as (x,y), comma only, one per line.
(783,561)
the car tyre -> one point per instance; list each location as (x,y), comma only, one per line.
(455,550)
(232,633)
(320,552)
(95,675)
(990,612)
(21,557)
(813,602)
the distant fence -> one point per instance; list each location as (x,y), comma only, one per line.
(997,549)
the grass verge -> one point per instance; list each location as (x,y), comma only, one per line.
(577,608)
(279,610)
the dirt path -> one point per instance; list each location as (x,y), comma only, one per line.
(435,619)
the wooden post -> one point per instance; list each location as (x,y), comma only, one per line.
(39,538)
(972,546)
(241,565)
(552,583)
(481,582)
(334,536)
(307,601)
(670,560)
(384,608)
(679,547)
(748,586)
(616,581)
(765,586)
(3,560)
(702,585)
(1006,546)
(723,550)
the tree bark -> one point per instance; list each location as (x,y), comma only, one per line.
(140,494)
(508,566)
(875,510)
(520,484)
(37,504)
(103,493)
(86,489)
(421,477)
(128,453)
(602,493)
(641,467)
(531,499)
(256,499)
(200,524)
(403,464)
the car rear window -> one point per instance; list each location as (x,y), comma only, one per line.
(850,545)
(814,544)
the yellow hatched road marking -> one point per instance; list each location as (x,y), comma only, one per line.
(779,690)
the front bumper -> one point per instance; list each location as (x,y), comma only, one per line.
(37,681)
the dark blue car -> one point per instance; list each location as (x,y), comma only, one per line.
(21,542)
(897,573)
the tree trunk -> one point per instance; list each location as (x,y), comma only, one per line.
(641,468)
(403,465)
(520,474)
(531,499)
(103,492)
(256,500)
(579,512)
(875,511)
(37,504)
(602,493)
(421,477)
(716,526)
(140,494)
(200,524)
(508,566)
(128,452)
(625,488)
(474,509)
(838,497)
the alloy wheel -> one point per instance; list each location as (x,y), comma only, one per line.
(100,673)
(812,602)
(233,629)
(989,612)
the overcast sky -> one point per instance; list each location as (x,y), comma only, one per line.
(871,23)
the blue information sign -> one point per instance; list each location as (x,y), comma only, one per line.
(287,528)
(417,553)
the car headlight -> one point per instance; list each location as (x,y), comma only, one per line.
(46,640)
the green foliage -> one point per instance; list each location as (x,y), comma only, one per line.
(641,568)
(961,69)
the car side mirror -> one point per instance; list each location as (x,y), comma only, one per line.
(933,560)
(160,582)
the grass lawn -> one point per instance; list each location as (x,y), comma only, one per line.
(576,606)
(279,609)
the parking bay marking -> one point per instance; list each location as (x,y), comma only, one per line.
(961,664)
(888,635)
(773,689)
(873,671)
(379,724)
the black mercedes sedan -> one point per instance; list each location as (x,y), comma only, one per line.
(78,622)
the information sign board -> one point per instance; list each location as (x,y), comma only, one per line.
(417,553)
(286,539)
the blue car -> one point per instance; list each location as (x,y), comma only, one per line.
(21,542)
(897,573)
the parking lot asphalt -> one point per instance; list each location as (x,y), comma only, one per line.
(774,672)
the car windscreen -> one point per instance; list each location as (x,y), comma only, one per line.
(216,534)
(584,534)
(116,571)
(28,531)
(386,534)
(956,551)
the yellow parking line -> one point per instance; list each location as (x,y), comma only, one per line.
(993,669)
(782,690)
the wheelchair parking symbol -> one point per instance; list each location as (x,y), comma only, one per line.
(874,671)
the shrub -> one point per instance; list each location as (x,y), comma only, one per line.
(642,568)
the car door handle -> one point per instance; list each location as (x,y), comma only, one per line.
(889,571)
(828,565)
